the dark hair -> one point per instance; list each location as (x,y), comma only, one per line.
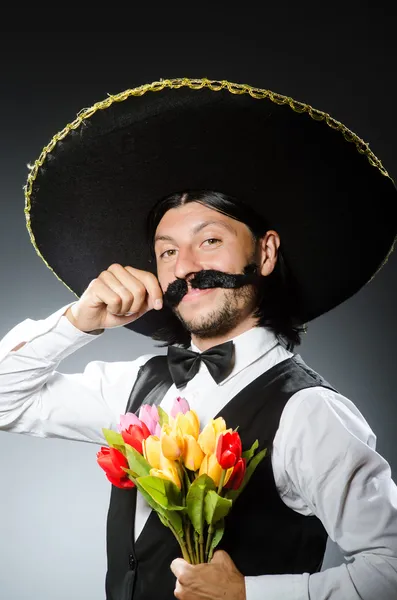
(278,305)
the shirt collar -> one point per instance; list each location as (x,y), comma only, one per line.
(249,347)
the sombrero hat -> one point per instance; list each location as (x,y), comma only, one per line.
(313,180)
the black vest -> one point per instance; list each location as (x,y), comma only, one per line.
(262,535)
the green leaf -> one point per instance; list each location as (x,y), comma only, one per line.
(148,498)
(137,462)
(234,494)
(176,521)
(169,517)
(195,500)
(186,478)
(120,449)
(132,473)
(165,516)
(163,416)
(215,507)
(113,438)
(219,531)
(165,493)
(248,454)
(163,519)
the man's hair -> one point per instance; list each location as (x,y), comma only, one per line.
(278,302)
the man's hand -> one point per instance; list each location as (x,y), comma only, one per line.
(116,297)
(218,580)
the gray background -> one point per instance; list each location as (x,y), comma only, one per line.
(54,497)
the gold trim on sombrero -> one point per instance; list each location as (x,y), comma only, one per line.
(194,84)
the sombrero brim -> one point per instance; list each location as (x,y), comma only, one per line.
(312,179)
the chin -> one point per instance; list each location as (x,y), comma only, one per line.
(193,318)
(208,324)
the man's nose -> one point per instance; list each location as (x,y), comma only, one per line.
(186,263)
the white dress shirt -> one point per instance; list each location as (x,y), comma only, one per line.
(324,457)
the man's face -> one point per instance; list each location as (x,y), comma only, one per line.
(192,238)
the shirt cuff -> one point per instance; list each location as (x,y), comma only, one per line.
(277,587)
(51,339)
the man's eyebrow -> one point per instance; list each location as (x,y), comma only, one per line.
(201,226)
(197,229)
(163,238)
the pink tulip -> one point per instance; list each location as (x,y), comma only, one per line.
(155,413)
(127,420)
(180,405)
(149,415)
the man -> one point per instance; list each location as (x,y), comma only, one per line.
(242,257)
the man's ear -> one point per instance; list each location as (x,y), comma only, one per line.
(268,251)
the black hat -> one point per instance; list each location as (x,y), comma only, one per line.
(312,179)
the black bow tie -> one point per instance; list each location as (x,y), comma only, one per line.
(184,364)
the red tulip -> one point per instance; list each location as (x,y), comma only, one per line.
(134,435)
(228,449)
(237,475)
(111,461)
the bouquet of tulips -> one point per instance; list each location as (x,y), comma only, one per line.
(191,478)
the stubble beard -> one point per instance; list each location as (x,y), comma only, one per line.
(237,305)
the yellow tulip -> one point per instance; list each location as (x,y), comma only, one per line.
(213,469)
(188,423)
(172,442)
(193,455)
(208,437)
(192,416)
(166,464)
(151,450)
(167,470)
(168,475)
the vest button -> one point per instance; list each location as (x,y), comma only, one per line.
(132,562)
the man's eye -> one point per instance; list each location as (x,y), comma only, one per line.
(166,253)
(212,240)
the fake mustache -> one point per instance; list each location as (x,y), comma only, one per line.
(211,279)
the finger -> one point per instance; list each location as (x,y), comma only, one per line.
(224,561)
(178,590)
(152,285)
(103,293)
(132,293)
(219,556)
(179,567)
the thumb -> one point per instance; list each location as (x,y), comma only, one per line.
(178,566)
(225,561)
(221,557)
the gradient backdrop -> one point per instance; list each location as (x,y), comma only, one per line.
(53,496)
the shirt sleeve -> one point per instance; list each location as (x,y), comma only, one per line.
(38,400)
(326,464)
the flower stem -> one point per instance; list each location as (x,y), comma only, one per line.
(196,543)
(189,542)
(211,529)
(202,557)
(187,479)
(209,540)
(210,554)
(221,482)
(185,554)
(181,475)
(182,545)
